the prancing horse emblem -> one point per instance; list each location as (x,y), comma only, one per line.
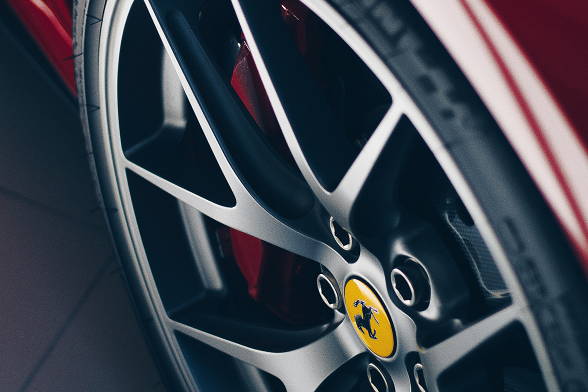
(363,320)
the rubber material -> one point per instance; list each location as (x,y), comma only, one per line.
(87,22)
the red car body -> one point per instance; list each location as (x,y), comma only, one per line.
(50,24)
(537,55)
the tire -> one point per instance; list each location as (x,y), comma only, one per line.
(391,173)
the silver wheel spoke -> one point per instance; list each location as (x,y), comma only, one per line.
(302,369)
(188,86)
(249,217)
(341,201)
(224,117)
(444,355)
(336,171)
(251,213)
(303,113)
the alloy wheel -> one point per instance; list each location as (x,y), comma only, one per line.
(271,260)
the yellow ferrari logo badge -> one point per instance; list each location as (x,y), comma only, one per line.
(369,318)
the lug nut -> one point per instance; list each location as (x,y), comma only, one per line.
(411,284)
(419,377)
(343,237)
(377,379)
(329,291)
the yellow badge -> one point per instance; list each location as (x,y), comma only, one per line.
(369,318)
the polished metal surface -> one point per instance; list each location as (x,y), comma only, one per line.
(377,379)
(329,291)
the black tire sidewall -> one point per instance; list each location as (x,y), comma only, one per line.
(87,27)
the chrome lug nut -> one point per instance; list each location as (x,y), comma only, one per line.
(411,284)
(344,239)
(377,379)
(419,377)
(329,290)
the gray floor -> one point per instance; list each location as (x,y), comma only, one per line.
(66,321)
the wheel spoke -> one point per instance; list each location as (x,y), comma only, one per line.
(228,127)
(279,208)
(301,369)
(251,218)
(174,119)
(444,355)
(341,201)
(311,130)
(252,170)
(329,164)
(158,10)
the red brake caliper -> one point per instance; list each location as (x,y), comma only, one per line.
(283,281)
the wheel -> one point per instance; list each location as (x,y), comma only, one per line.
(310,196)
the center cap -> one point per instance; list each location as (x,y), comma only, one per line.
(369,318)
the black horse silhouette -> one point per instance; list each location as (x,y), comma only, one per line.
(363,320)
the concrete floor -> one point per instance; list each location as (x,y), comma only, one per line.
(66,320)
